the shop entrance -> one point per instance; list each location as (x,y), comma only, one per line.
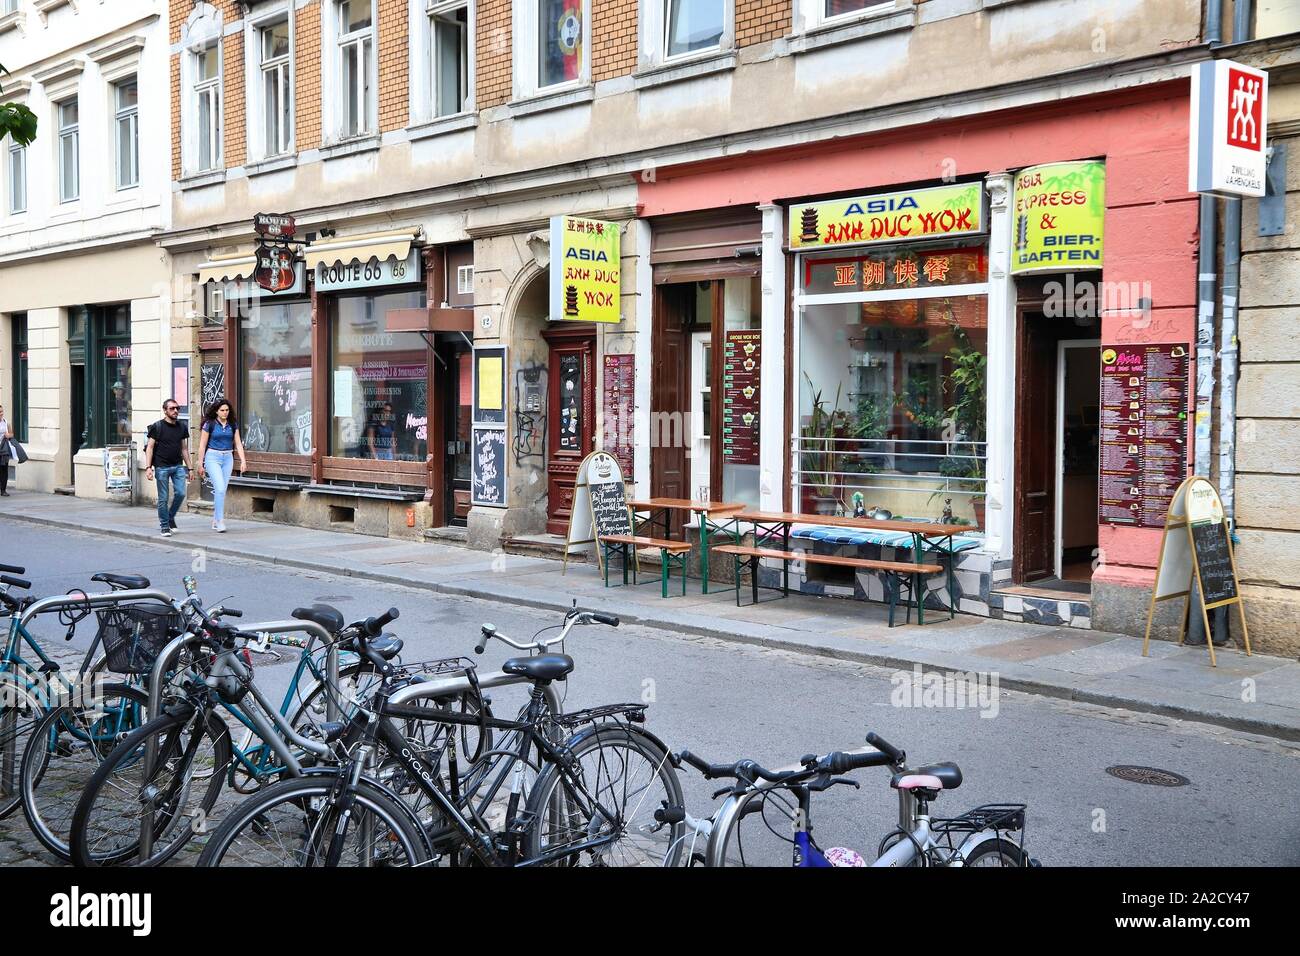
(456,404)
(1057,432)
(570,417)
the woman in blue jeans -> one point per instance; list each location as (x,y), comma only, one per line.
(217,447)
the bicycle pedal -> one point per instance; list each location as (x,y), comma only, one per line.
(521,824)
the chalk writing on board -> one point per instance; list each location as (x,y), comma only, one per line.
(609,508)
(1218,579)
(489,472)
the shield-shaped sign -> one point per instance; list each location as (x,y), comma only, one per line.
(274,271)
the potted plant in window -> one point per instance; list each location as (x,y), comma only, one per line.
(820,460)
(966,414)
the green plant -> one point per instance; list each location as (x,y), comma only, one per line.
(17,121)
(823,427)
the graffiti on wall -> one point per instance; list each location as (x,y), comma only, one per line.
(213,379)
(530,413)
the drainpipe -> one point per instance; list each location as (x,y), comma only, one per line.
(1206,289)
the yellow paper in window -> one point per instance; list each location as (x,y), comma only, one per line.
(490,391)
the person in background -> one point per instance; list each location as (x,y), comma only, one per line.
(217,447)
(5,435)
(382,436)
(167,463)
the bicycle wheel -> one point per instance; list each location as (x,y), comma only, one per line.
(296,823)
(615,779)
(996,853)
(353,689)
(108,817)
(62,754)
(22,705)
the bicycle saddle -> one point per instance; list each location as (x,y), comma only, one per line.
(545,667)
(939,776)
(122,582)
(322,614)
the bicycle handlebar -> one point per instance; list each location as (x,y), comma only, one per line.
(14,582)
(12,569)
(896,756)
(374,626)
(488,631)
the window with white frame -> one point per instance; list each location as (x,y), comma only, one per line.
(126,130)
(816,13)
(8,6)
(449,56)
(206,66)
(355,52)
(17,177)
(69,123)
(275,89)
(553,48)
(692,26)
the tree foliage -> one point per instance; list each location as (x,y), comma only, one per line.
(16,120)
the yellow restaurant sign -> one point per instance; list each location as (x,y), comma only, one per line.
(584,270)
(954,210)
(1060,210)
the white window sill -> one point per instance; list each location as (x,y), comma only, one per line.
(13,21)
(833,35)
(209,177)
(271,164)
(717,61)
(443,124)
(351,147)
(546,101)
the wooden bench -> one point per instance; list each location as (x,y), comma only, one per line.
(671,554)
(899,574)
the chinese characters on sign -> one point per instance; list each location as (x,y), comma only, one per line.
(1060,211)
(1143,432)
(953,210)
(584,270)
(741,375)
(618,402)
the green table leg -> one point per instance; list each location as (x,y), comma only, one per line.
(663,570)
(704,550)
(916,580)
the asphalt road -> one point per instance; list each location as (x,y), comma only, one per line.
(727,701)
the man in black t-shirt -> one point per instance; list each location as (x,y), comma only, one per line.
(167,461)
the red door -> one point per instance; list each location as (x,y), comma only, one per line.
(1035,515)
(570,417)
(670,393)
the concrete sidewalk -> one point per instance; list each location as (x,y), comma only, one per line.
(1090,666)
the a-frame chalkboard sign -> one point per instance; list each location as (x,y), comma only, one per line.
(599,504)
(1196,548)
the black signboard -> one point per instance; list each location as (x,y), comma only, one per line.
(609,508)
(1214,562)
(488,467)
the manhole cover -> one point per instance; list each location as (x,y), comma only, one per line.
(1150,775)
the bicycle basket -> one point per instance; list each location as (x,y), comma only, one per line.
(135,635)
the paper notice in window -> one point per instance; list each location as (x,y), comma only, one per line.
(490,392)
(342,393)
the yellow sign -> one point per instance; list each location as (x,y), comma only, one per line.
(584,270)
(955,210)
(1060,211)
(489,382)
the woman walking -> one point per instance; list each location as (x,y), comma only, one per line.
(217,447)
(5,435)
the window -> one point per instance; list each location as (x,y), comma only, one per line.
(378,408)
(892,353)
(560,42)
(356,51)
(692,25)
(126,101)
(69,150)
(449,33)
(99,348)
(275,354)
(207,108)
(276,92)
(9,6)
(17,178)
(810,14)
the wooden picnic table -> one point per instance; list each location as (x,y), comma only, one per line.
(770,524)
(707,510)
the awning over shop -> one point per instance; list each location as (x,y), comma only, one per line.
(230,268)
(361,248)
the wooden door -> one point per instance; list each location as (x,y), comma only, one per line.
(570,417)
(670,392)
(1035,518)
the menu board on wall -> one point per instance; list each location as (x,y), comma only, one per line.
(741,376)
(618,397)
(488,476)
(1143,432)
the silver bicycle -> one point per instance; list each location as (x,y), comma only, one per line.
(781,801)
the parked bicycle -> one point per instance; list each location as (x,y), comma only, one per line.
(989,835)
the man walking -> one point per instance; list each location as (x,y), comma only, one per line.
(167,461)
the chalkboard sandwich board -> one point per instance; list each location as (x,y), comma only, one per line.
(1196,549)
(599,503)
(488,466)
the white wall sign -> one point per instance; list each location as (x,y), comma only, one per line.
(356,274)
(1228,129)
